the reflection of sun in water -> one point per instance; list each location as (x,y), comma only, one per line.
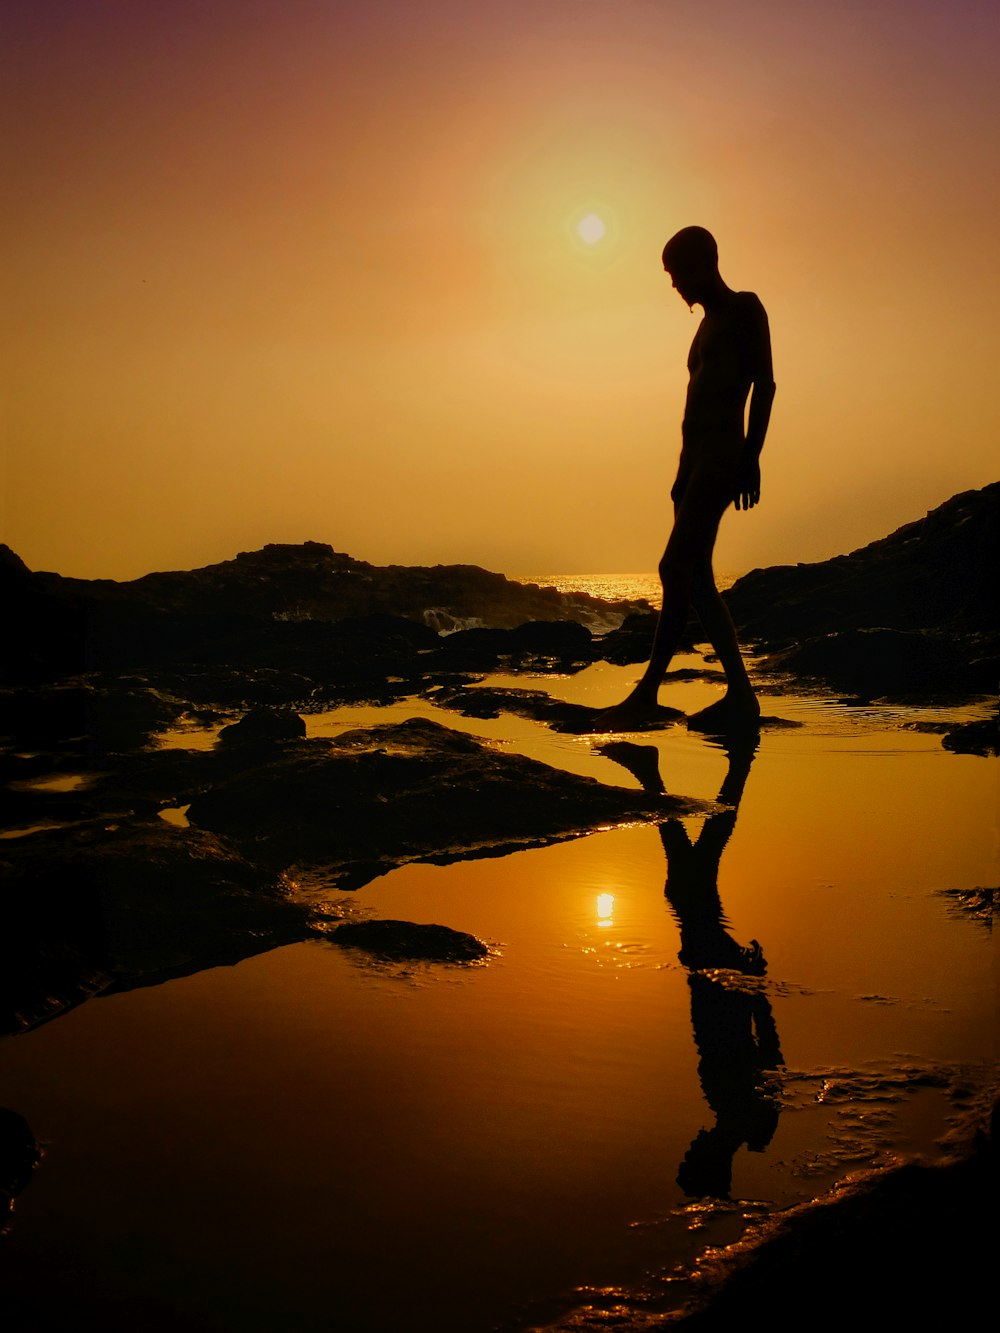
(591,229)
(605,909)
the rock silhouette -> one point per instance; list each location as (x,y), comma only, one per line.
(914,613)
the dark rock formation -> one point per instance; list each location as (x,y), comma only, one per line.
(405,941)
(978,904)
(305,621)
(908,1247)
(890,663)
(929,591)
(632,641)
(573,719)
(538,645)
(563,639)
(982,738)
(118,898)
(19,1155)
(272,607)
(44,634)
(92,909)
(378,797)
(263,726)
(97,713)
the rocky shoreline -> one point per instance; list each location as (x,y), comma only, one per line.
(101,893)
(906,1245)
(917,620)
(914,615)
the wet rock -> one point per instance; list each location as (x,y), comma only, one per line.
(631,642)
(564,639)
(572,719)
(908,1247)
(978,904)
(385,631)
(442,622)
(411,791)
(538,644)
(887,662)
(73,785)
(89,909)
(982,738)
(97,713)
(473,650)
(263,726)
(209,687)
(19,1155)
(362,651)
(406,941)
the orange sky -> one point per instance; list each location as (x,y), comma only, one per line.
(287,270)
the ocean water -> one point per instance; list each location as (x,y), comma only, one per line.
(676,1030)
(643,586)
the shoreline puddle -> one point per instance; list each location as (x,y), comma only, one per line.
(678,1028)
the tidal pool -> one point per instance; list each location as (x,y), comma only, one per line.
(312,1141)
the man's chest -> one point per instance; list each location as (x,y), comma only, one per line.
(717,349)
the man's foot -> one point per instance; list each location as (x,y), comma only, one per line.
(634,715)
(732,713)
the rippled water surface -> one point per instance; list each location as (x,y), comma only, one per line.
(308,1141)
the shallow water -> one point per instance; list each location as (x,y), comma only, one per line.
(310,1141)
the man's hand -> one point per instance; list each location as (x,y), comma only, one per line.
(746,492)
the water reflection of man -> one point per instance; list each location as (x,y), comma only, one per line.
(734,1031)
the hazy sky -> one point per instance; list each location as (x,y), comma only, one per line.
(281,270)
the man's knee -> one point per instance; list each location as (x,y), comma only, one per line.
(679,560)
(691,543)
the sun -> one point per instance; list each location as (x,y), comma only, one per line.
(591,229)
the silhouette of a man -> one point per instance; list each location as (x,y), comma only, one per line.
(729,362)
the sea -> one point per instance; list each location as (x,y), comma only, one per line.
(634,587)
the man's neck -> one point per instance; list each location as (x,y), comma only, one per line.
(716,294)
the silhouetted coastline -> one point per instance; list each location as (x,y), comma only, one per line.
(912,615)
(114,898)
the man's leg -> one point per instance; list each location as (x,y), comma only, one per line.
(677,581)
(696,523)
(718,625)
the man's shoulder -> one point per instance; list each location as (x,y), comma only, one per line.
(749,314)
(750,302)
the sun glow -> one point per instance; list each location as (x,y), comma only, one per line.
(591,229)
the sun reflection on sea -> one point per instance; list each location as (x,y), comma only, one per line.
(605,910)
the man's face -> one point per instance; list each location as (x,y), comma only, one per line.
(686,283)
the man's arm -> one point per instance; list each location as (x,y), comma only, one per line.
(747,488)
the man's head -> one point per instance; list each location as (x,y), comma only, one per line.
(691,257)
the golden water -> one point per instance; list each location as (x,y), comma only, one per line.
(310,1142)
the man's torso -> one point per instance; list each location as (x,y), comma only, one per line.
(720,365)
